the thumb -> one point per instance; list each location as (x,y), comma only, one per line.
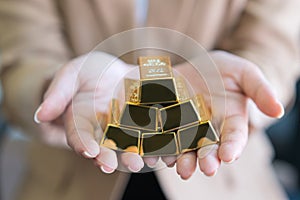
(251,81)
(256,86)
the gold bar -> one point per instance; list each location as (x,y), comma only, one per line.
(178,115)
(102,119)
(154,67)
(114,112)
(122,139)
(157,91)
(132,90)
(157,82)
(157,144)
(196,136)
(182,91)
(203,109)
(139,117)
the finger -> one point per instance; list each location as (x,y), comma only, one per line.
(80,134)
(169,160)
(234,137)
(209,163)
(255,85)
(60,92)
(186,165)
(206,150)
(54,135)
(151,161)
(132,161)
(107,160)
(251,80)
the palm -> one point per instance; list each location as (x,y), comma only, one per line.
(242,82)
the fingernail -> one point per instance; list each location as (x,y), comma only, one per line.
(35,118)
(87,154)
(106,170)
(282,111)
(214,173)
(171,165)
(230,161)
(151,165)
(183,178)
(134,169)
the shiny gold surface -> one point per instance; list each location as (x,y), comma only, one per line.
(155,67)
(197,136)
(179,115)
(132,149)
(203,109)
(157,144)
(182,90)
(109,144)
(159,117)
(114,112)
(158,91)
(139,117)
(132,90)
(120,138)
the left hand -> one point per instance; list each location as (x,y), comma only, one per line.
(242,81)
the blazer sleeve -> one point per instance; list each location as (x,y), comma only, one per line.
(32,48)
(268,35)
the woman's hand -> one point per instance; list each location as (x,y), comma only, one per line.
(242,81)
(73,104)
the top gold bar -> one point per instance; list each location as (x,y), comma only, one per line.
(155,67)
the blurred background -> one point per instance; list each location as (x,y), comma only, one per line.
(285,137)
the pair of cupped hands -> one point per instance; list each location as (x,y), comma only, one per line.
(67,113)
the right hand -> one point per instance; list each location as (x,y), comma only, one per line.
(69,109)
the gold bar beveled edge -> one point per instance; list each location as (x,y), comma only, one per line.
(213,129)
(151,79)
(181,79)
(202,107)
(113,117)
(126,80)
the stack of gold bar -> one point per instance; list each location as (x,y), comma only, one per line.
(159,117)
